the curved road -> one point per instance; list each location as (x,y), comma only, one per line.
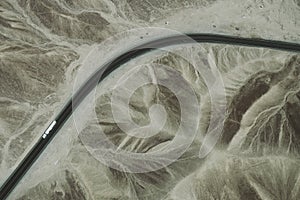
(105,70)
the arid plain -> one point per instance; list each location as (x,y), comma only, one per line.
(44,44)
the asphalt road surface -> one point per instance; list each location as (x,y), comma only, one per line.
(105,70)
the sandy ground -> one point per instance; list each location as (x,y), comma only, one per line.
(50,48)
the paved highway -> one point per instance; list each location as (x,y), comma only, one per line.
(105,70)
